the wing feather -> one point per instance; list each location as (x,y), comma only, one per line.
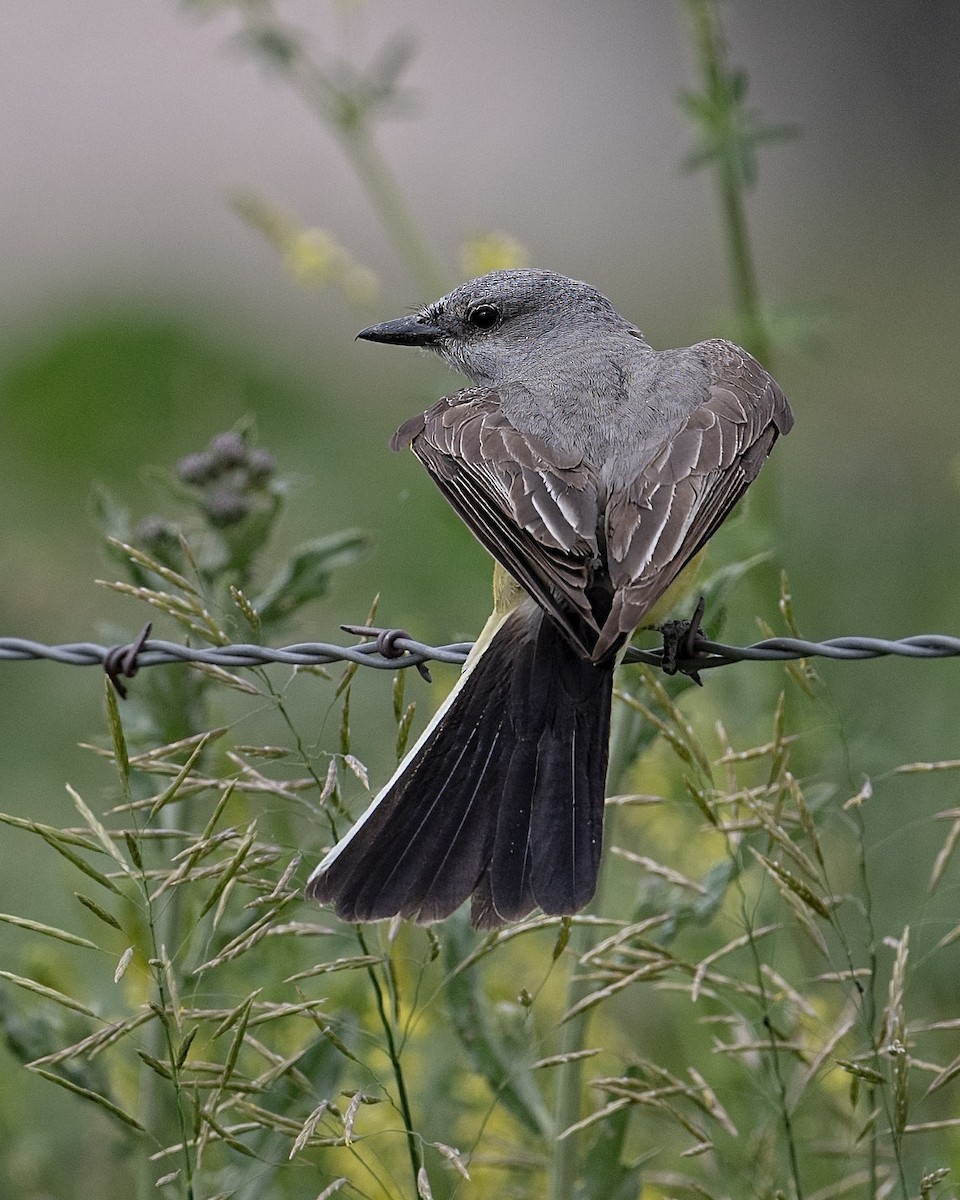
(538,509)
(534,508)
(658,523)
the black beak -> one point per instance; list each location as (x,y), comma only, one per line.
(406,331)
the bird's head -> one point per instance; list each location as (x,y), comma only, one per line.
(506,324)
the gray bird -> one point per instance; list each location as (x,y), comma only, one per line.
(594,469)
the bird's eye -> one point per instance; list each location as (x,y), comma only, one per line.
(484,316)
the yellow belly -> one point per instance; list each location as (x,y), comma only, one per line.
(676,593)
(507,594)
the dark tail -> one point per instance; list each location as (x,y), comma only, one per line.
(501,800)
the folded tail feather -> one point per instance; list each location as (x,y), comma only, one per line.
(501,799)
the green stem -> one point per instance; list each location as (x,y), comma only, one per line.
(566,1156)
(384,192)
(162,1046)
(394,1055)
(780,1082)
(712,55)
(188,1180)
(352,128)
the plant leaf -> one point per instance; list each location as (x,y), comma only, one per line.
(306,575)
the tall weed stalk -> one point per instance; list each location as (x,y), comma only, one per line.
(727,1019)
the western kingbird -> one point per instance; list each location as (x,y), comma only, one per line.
(594,469)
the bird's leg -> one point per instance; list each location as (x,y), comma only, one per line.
(680,640)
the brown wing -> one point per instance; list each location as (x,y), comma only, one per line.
(534,508)
(656,525)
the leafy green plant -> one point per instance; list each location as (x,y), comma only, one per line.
(729,1019)
(727,1010)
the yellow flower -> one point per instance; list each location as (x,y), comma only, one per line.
(492,252)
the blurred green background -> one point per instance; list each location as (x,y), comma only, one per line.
(139,315)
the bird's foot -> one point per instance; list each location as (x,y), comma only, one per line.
(680,639)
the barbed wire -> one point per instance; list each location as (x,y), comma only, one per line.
(393,649)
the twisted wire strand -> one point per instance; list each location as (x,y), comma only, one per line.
(155,652)
(402,651)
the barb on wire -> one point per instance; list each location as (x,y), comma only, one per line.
(125,660)
(393,649)
(387,644)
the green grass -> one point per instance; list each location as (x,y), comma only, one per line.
(729,1009)
(760,1002)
